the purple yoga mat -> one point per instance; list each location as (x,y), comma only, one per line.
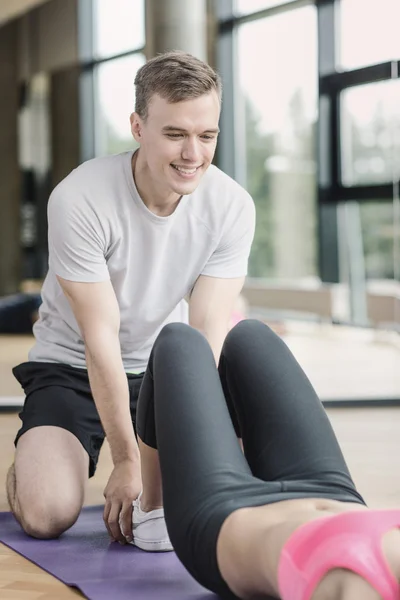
(84,558)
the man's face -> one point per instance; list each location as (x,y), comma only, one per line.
(178,140)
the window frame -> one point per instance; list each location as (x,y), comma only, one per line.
(89,63)
(331,82)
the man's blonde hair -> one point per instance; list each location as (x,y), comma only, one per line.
(175,76)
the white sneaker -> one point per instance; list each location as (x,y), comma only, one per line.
(149,529)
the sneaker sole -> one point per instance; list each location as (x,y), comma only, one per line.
(152,546)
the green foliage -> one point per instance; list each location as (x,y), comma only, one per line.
(258,148)
(275,192)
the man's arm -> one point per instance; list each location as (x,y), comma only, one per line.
(96,310)
(211,305)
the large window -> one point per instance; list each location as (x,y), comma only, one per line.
(377,226)
(369,32)
(327,241)
(370,133)
(112,48)
(367,233)
(368,115)
(362,154)
(277,79)
(115,101)
(118,26)
(244,7)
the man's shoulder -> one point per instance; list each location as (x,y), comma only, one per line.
(91,174)
(222,193)
(90,183)
(218,182)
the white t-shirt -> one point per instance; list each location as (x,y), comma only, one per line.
(100,229)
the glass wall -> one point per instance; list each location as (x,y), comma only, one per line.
(118,26)
(325,181)
(114,103)
(244,7)
(277,87)
(369,154)
(370,134)
(115,54)
(377,227)
(368,32)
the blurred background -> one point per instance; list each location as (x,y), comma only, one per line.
(310,125)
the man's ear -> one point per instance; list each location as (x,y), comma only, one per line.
(136,127)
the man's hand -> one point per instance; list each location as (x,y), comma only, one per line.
(122,489)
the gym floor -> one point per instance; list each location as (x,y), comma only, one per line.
(350,367)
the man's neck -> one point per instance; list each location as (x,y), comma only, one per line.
(159,203)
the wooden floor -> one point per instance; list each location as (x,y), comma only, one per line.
(369,438)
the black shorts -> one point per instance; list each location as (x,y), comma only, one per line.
(60,395)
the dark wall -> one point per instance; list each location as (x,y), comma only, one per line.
(65,129)
(10,178)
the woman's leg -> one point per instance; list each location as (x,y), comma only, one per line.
(286,432)
(182,412)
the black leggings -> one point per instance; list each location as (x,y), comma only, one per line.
(193,414)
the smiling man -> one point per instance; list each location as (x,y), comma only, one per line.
(130,236)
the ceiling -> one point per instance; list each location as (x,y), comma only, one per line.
(10,9)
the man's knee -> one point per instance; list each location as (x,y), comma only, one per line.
(40,517)
(47,520)
(11,488)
